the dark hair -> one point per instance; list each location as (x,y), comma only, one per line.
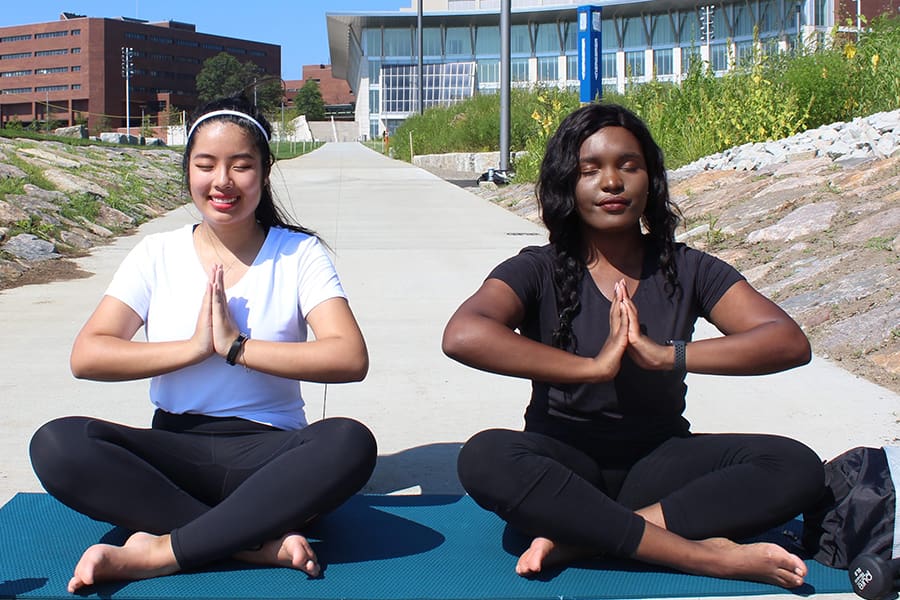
(268,213)
(556,194)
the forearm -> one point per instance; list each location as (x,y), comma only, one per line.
(330,360)
(490,346)
(768,348)
(108,358)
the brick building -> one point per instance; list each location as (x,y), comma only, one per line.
(339,99)
(71,70)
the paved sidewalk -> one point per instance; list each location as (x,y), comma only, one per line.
(409,248)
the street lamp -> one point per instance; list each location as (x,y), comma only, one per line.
(127,72)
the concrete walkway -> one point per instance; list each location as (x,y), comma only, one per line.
(409,248)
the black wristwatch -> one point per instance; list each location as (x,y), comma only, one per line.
(680,365)
(236,346)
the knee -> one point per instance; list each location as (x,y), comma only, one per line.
(56,451)
(802,471)
(356,441)
(482,462)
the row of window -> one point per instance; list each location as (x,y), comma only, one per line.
(736,21)
(38,36)
(47,71)
(41,89)
(133,35)
(39,53)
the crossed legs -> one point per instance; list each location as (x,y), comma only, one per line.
(230,488)
(676,507)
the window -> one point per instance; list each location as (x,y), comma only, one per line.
(663,34)
(572,67)
(518,69)
(76,50)
(211,46)
(743,21)
(15,38)
(743,52)
(608,38)
(547,39)
(15,73)
(50,34)
(663,64)
(374,72)
(459,41)
(25,90)
(431,41)
(76,32)
(372,38)
(15,56)
(548,69)
(635,64)
(443,84)
(188,43)
(718,57)
(608,65)
(131,35)
(634,32)
(50,70)
(487,41)
(51,88)
(689,57)
(398,42)
(374,101)
(161,40)
(488,72)
(257,53)
(570,43)
(235,50)
(519,40)
(52,52)
(76,86)
(76,68)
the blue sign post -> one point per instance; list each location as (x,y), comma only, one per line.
(589,63)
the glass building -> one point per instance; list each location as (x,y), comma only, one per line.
(377,53)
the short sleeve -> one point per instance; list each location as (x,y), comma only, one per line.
(526,273)
(713,278)
(318,279)
(133,280)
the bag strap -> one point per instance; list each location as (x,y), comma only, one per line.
(892,453)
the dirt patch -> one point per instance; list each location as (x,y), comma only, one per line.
(47,271)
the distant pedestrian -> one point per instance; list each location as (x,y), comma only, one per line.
(600,320)
(230,467)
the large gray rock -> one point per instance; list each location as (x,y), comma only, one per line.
(27,246)
(808,219)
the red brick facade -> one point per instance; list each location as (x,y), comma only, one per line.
(73,66)
(335,92)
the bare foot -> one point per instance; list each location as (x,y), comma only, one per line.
(143,556)
(292,550)
(768,563)
(543,553)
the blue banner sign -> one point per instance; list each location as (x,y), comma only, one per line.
(589,63)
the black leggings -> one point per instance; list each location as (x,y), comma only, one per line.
(730,485)
(218,485)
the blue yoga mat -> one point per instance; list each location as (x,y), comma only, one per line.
(373,548)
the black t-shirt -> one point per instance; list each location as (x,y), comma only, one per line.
(646,404)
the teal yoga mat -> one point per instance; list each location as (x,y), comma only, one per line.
(372,548)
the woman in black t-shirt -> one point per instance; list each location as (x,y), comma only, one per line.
(605,313)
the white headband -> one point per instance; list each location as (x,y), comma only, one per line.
(217,113)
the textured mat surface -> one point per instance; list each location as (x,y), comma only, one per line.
(373,548)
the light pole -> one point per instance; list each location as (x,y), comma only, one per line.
(127,71)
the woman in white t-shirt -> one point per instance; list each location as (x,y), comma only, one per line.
(230,467)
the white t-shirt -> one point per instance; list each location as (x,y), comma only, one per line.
(163,281)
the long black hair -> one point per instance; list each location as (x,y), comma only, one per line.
(556,194)
(268,213)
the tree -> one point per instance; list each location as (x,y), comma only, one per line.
(224,75)
(309,101)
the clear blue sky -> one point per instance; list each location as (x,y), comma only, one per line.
(297,26)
